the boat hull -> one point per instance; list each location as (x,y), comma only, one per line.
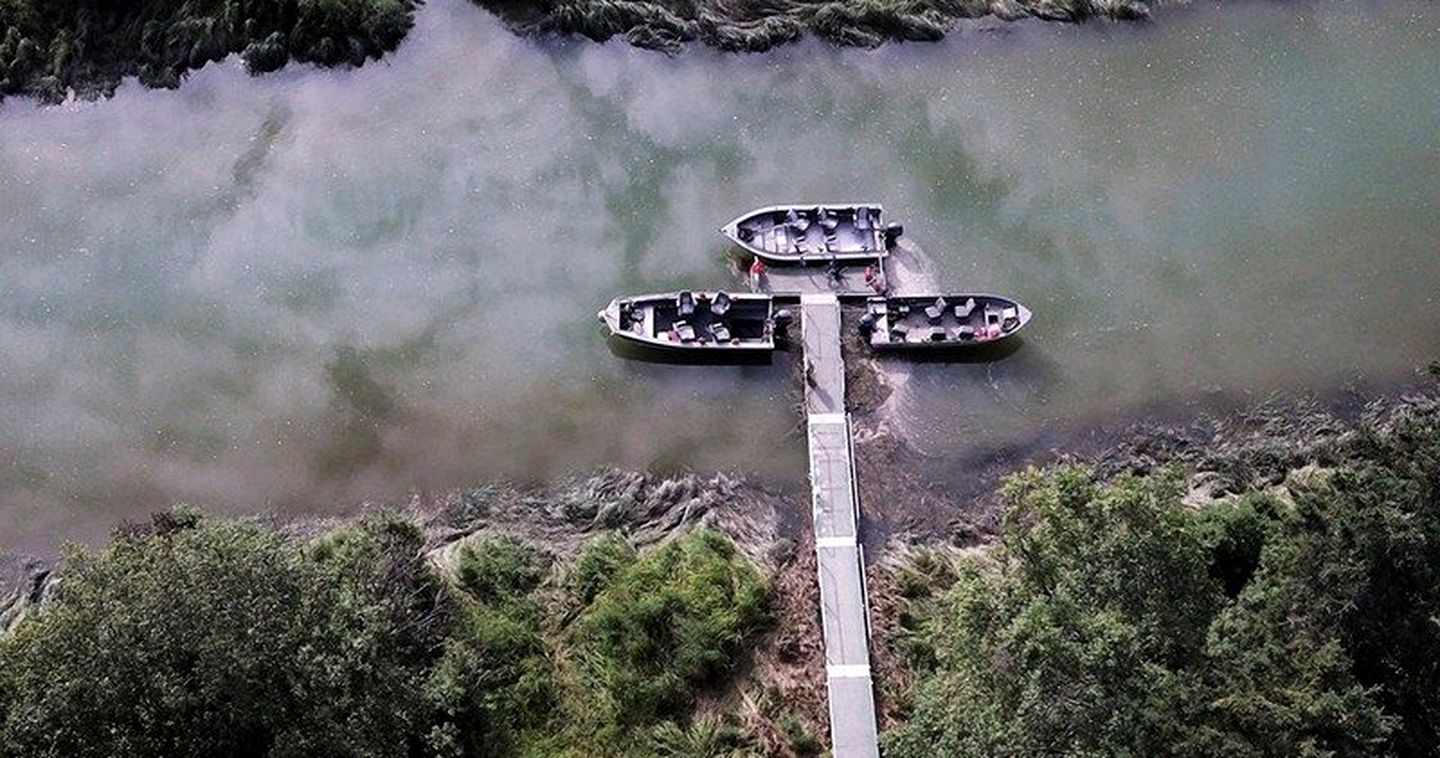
(651,352)
(650,327)
(775,234)
(957,323)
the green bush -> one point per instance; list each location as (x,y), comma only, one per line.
(667,625)
(221,638)
(1111,619)
(602,559)
(50,46)
(495,683)
(194,637)
(501,569)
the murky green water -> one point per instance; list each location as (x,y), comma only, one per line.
(305,290)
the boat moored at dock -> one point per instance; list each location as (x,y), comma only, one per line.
(704,326)
(931,322)
(814,233)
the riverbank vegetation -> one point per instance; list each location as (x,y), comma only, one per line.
(49,47)
(755,25)
(1271,597)
(198,637)
(1293,617)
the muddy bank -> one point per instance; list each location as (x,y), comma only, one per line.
(909,512)
(1225,445)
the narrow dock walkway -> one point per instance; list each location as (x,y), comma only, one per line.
(836,512)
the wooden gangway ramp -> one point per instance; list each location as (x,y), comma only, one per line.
(836,511)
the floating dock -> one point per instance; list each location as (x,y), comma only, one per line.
(835,508)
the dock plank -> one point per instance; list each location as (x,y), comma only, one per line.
(824,366)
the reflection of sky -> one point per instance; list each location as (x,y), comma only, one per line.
(315,286)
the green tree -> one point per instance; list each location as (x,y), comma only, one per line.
(220,638)
(1112,619)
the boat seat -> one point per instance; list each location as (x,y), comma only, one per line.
(828,222)
(898,333)
(685,303)
(721,304)
(796,221)
(965,333)
(1009,318)
(720,332)
(937,310)
(938,335)
(862,218)
(684,331)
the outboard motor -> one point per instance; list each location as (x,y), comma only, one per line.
(781,320)
(892,233)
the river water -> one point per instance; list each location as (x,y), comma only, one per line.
(313,288)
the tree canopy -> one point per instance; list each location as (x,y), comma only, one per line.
(1114,619)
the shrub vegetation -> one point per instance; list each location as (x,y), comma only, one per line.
(199,637)
(221,638)
(48,47)
(1112,619)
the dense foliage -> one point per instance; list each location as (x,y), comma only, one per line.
(1112,619)
(50,46)
(221,638)
(632,640)
(198,637)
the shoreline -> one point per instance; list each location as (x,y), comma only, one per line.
(1188,431)
(1261,448)
(48,55)
(909,500)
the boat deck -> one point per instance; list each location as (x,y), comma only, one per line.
(790,282)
